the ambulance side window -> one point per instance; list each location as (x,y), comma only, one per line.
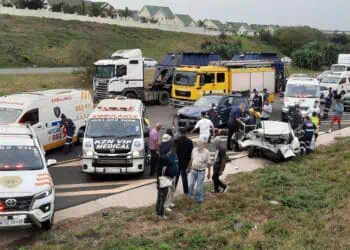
(31,117)
(207,78)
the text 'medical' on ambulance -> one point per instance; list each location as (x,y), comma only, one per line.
(115,138)
(27,195)
(43,111)
(191,82)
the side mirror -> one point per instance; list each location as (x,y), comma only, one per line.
(51,163)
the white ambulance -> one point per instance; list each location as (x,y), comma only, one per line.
(115,138)
(43,111)
(27,195)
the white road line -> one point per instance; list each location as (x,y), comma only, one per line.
(95,184)
(106,191)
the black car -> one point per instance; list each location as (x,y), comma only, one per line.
(220,105)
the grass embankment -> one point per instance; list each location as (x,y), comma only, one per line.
(27,41)
(312,212)
(10,84)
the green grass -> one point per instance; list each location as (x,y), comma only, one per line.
(313,213)
(27,41)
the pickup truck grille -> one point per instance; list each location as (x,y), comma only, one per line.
(22,204)
(183,93)
(102,90)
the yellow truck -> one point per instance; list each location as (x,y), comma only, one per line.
(191,82)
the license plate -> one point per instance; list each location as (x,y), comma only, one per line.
(12,221)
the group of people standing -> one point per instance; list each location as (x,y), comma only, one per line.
(179,157)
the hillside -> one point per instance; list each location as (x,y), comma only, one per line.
(27,41)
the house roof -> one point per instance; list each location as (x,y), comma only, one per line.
(186,19)
(154,9)
(247,27)
(234,25)
(217,23)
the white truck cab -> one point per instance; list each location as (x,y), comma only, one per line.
(340,68)
(301,91)
(338,82)
(115,138)
(27,194)
(43,111)
(122,74)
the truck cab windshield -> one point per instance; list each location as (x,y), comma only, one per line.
(302,91)
(114,128)
(104,71)
(20,158)
(185,78)
(9,115)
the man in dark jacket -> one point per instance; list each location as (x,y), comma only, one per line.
(233,125)
(68,129)
(309,130)
(219,166)
(257,102)
(184,147)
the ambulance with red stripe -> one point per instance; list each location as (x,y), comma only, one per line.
(27,194)
(43,111)
(115,138)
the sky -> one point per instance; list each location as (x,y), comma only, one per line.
(322,14)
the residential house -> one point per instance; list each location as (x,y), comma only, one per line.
(247,30)
(163,15)
(184,21)
(233,26)
(214,24)
(106,9)
(129,15)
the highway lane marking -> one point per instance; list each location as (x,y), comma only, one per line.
(107,191)
(94,184)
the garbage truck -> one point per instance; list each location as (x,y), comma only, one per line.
(123,74)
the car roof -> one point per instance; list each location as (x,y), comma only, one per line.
(16,134)
(303,81)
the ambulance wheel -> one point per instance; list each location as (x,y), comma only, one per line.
(130,95)
(251,152)
(47,225)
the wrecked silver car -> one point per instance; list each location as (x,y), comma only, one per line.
(274,140)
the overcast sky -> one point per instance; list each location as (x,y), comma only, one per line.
(323,14)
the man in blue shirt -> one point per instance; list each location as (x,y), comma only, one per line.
(233,124)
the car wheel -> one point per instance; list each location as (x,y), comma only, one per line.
(130,95)
(251,152)
(47,225)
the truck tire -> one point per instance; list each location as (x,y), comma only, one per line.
(164,98)
(251,152)
(47,225)
(130,95)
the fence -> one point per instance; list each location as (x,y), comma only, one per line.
(105,20)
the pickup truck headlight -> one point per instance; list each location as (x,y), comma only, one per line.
(43,194)
(137,154)
(89,153)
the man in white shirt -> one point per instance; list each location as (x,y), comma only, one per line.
(204,125)
(267,111)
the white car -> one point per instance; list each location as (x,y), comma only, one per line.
(275,140)
(323,75)
(27,194)
(149,62)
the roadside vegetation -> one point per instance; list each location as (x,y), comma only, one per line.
(301,204)
(28,41)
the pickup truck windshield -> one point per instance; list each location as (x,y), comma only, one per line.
(104,71)
(185,78)
(207,101)
(114,128)
(9,115)
(302,91)
(330,80)
(20,158)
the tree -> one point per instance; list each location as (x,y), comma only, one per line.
(200,23)
(224,48)
(83,8)
(96,9)
(30,4)
(340,38)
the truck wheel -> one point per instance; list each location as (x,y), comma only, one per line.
(47,225)
(130,95)
(251,152)
(164,98)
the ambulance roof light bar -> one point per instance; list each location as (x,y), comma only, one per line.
(243,64)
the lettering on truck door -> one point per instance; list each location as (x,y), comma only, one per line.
(214,83)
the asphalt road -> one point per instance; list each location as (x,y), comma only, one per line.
(74,187)
(38,71)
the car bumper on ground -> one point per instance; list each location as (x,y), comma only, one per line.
(175,103)
(187,123)
(112,166)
